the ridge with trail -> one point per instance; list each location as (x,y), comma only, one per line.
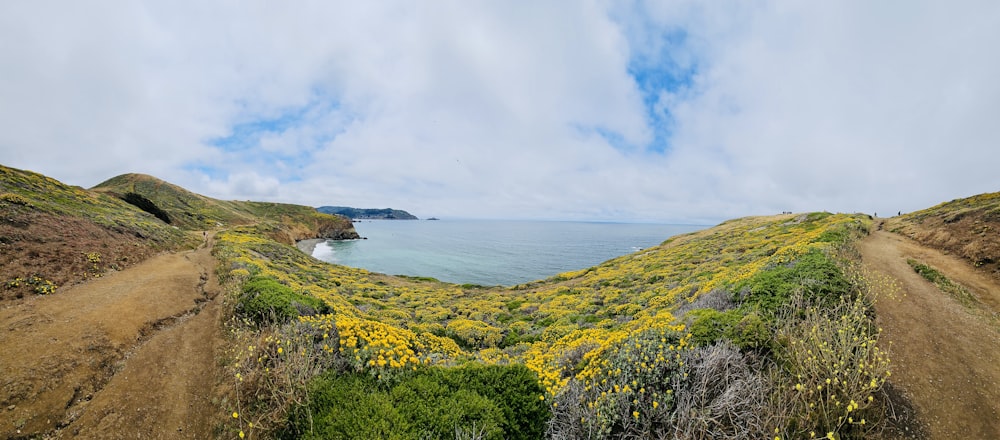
(131,354)
(946,356)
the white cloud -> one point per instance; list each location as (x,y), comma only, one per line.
(513,109)
(842,106)
(244,186)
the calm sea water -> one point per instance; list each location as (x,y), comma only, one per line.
(490,252)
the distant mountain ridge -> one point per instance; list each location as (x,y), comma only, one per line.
(368,213)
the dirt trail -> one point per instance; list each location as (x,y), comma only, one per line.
(945,356)
(128,355)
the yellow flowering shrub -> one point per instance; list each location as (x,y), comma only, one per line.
(475,334)
(374,346)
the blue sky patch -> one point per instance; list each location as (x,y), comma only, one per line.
(661,62)
(244,148)
(247,135)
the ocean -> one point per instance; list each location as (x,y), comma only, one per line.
(490,252)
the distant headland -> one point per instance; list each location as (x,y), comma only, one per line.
(367,213)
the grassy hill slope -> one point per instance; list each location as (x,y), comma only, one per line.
(53,234)
(968,227)
(192,211)
(185,209)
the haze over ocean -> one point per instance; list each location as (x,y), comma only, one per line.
(491,252)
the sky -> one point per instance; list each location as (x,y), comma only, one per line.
(660,111)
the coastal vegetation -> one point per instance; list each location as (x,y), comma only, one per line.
(942,282)
(759,327)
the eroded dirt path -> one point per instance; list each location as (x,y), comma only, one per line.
(945,356)
(128,355)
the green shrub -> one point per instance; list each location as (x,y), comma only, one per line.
(843,233)
(265,300)
(815,274)
(141,202)
(348,406)
(817,216)
(515,389)
(746,329)
(944,283)
(442,408)
(752,331)
(516,335)
(834,235)
(479,401)
(709,325)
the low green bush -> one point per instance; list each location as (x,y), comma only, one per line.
(815,274)
(709,325)
(347,406)
(942,282)
(472,401)
(264,300)
(746,329)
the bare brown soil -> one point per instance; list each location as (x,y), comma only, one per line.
(945,356)
(56,248)
(129,355)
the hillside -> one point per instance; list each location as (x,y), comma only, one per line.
(96,290)
(368,213)
(192,211)
(53,234)
(969,228)
(759,327)
(186,209)
(943,334)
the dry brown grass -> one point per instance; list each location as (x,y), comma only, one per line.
(725,396)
